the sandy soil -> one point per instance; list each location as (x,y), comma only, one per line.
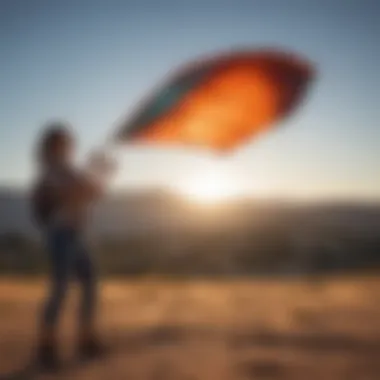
(212,330)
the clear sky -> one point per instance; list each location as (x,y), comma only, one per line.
(90,61)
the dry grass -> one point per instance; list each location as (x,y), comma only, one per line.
(262,329)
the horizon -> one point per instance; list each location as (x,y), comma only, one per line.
(251,198)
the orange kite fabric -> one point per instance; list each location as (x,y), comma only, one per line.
(221,102)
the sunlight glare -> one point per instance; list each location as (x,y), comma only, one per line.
(209,186)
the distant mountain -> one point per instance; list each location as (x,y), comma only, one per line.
(122,213)
(158,232)
(14,212)
(135,212)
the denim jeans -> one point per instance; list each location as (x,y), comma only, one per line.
(69,257)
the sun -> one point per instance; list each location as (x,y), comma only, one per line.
(209,186)
(207,190)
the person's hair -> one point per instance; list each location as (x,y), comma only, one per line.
(53,136)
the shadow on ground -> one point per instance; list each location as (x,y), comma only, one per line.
(243,348)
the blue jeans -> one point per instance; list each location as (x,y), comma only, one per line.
(68,256)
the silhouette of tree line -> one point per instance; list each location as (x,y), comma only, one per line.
(266,248)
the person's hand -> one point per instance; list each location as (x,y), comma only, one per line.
(101,164)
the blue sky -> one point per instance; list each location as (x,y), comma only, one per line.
(90,61)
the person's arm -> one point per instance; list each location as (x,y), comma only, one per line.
(100,167)
(87,185)
(90,187)
(94,180)
(76,187)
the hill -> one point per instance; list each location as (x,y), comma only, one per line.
(158,232)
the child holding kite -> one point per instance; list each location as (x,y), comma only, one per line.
(60,200)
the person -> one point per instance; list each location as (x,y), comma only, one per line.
(61,198)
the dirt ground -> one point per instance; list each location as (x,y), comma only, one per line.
(212,330)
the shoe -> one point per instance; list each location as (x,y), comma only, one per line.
(48,358)
(91,349)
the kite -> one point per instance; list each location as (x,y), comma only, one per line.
(222,101)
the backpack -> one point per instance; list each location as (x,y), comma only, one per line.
(43,203)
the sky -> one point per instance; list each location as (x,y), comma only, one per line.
(90,62)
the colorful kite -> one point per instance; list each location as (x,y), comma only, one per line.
(221,102)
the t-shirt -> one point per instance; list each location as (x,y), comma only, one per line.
(64,194)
